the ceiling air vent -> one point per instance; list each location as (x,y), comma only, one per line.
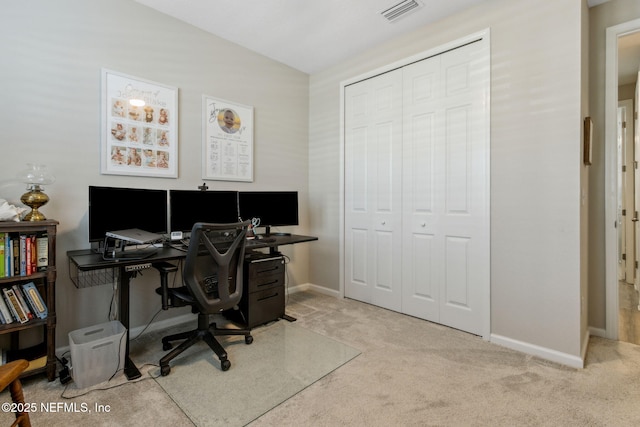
(399,10)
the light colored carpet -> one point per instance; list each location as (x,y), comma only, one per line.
(416,373)
(283,360)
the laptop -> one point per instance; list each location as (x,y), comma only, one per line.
(134,235)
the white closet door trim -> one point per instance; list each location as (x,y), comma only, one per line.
(484,37)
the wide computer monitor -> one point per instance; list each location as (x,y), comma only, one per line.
(187,207)
(114,208)
(273,208)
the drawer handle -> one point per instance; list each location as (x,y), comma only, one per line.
(268,283)
(270,296)
(268,270)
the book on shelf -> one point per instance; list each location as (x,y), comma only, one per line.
(8,272)
(14,305)
(23,254)
(2,258)
(27,258)
(34,299)
(33,253)
(4,309)
(8,254)
(42,251)
(15,241)
(21,299)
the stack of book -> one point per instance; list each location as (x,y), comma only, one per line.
(23,254)
(21,303)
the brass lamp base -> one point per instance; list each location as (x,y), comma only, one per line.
(34,199)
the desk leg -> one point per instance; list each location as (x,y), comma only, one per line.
(130,369)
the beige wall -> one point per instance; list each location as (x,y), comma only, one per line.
(536,122)
(626,91)
(51,55)
(601,17)
(584,186)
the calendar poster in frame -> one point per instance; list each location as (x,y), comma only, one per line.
(227,140)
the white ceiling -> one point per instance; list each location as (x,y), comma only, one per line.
(313,35)
(308,35)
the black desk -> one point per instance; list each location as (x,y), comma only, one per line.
(88,260)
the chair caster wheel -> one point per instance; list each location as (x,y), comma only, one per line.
(225,365)
(164,370)
(166,346)
(248,339)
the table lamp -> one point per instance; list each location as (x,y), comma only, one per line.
(35,176)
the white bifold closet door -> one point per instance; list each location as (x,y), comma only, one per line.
(416,189)
(373,181)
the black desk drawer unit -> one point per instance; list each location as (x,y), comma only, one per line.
(263,293)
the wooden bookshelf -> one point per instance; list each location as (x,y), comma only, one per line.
(45,281)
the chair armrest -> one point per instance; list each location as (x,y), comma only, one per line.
(164,268)
(10,371)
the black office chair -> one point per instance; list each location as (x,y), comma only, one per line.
(212,276)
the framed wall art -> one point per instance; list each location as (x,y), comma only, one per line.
(227,140)
(139,127)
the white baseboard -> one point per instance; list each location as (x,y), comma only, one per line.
(585,346)
(597,332)
(542,352)
(310,286)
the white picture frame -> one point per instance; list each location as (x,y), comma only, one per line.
(139,140)
(227,140)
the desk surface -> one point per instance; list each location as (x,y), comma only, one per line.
(89,259)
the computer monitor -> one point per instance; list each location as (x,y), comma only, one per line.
(113,208)
(187,207)
(274,208)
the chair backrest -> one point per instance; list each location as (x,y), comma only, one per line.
(214,265)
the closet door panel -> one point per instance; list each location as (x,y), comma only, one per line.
(444,190)
(356,202)
(464,222)
(422,177)
(373,150)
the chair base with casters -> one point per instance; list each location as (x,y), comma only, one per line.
(206,332)
(10,376)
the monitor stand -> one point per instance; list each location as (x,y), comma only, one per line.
(267,232)
(117,251)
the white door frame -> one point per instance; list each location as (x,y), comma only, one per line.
(481,35)
(611,170)
(626,194)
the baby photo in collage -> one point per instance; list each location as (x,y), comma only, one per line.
(138,133)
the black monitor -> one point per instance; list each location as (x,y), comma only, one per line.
(112,208)
(187,207)
(274,208)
